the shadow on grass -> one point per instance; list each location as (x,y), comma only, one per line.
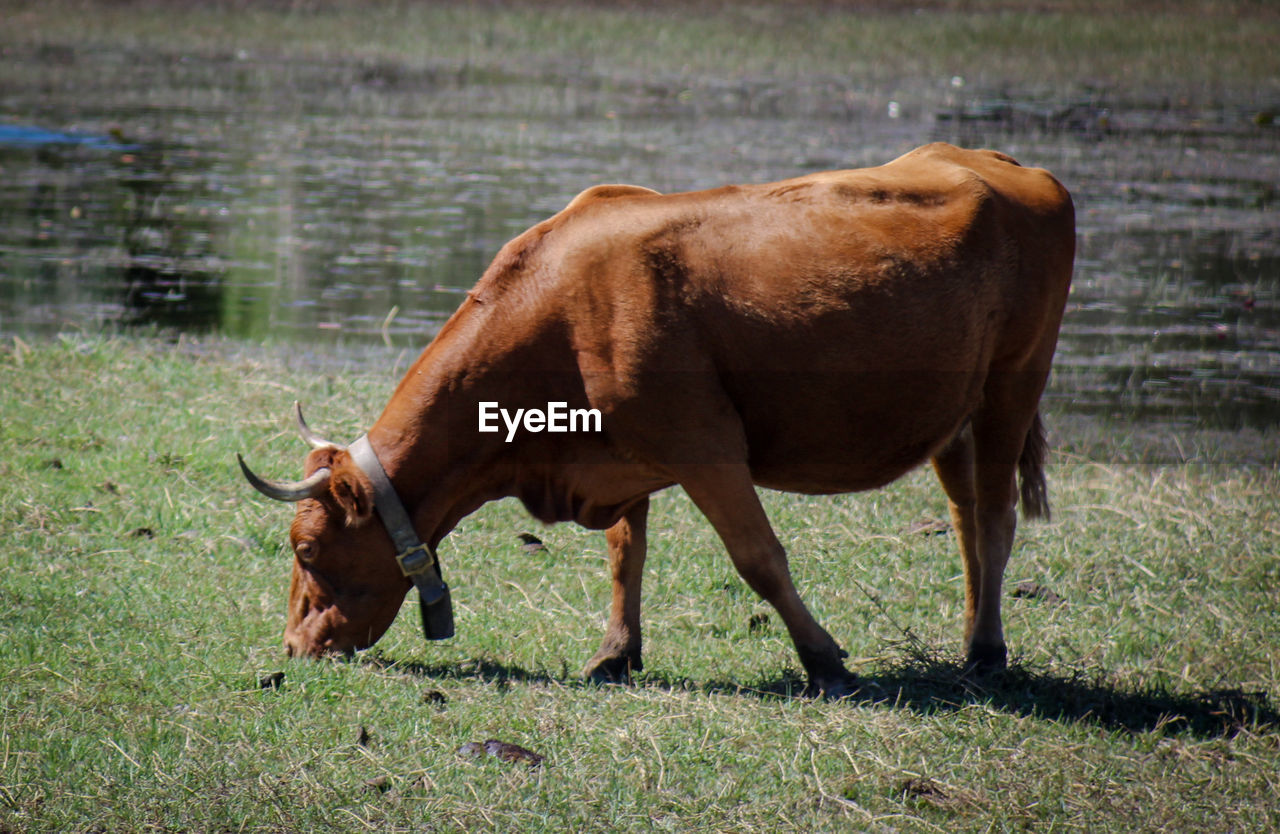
(927,684)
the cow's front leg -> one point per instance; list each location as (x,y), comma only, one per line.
(726,496)
(619,654)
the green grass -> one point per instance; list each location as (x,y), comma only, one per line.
(142,601)
(1183,47)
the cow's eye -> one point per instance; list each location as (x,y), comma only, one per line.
(305,551)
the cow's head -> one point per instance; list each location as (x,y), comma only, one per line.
(346,587)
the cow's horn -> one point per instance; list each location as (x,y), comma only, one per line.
(313,440)
(311,487)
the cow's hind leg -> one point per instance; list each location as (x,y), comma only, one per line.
(619,654)
(983,507)
(954,466)
(726,496)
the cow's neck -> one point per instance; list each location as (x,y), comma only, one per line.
(427,440)
(437,490)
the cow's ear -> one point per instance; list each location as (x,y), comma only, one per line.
(352,491)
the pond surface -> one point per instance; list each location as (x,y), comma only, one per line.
(348,203)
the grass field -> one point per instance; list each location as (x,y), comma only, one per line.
(1173,47)
(142,603)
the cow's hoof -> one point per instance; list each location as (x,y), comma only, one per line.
(607,667)
(834,688)
(986,659)
(827,676)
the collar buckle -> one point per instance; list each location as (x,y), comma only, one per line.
(415,560)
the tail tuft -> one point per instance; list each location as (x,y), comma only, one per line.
(1034,490)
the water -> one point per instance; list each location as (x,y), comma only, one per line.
(340,203)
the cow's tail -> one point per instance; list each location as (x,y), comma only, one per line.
(1034,490)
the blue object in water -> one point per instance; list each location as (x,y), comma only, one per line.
(28,136)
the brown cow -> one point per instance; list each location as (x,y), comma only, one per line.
(820,335)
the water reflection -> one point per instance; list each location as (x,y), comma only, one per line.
(1186,328)
(173,275)
(358,204)
(103,231)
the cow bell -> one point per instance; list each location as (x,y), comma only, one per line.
(437,616)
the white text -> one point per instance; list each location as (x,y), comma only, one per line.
(557,417)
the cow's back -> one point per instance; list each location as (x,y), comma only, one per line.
(850,319)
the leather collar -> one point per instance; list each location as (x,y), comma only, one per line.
(416,560)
